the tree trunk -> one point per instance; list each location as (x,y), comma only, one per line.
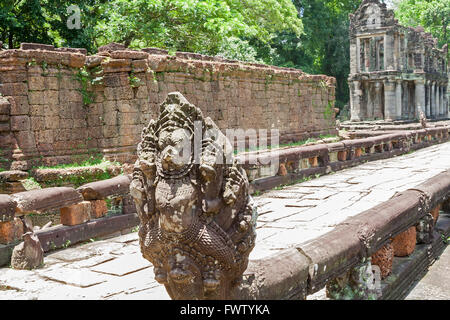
(10,40)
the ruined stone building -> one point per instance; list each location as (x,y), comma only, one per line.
(395,71)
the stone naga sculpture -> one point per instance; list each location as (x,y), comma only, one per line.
(197,218)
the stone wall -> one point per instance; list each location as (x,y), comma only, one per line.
(64,104)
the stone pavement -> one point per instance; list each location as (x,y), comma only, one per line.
(115,269)
(435,285)
(307,210)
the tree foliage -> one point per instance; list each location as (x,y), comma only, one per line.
(308,34)
(23,21)
(433,15)
(324,47)
(194,25)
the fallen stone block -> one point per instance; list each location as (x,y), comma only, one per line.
(99,190)
(28,254)
(11,231)
(384,258)
(76,214)
(7,208)
(46,199)
(405,243)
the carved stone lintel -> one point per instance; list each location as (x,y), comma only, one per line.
(362,282)
(197,218)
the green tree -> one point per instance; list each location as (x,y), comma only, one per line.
(433,15)
(204,26)
(23,21)
(57,14)
(324,47)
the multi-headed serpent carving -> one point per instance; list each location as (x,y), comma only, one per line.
(197,218)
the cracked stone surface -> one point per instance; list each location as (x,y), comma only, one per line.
(115,269)
(434,285)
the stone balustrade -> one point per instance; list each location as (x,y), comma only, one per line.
(82,213)
(269,169)
(342,259)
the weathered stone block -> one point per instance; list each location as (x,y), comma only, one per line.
(36,83)
(46,199)
(7,208)
(19,105)
(405,243)
(99,190)
(36,97)
(435,212)
(98,208)
(282,170)
(28,254)
(20,123)
(11,231)
(13,175)
(384,258)
(342,155)
(14,89)
(313,162)
(76,214)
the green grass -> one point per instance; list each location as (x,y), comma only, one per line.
(30,184)
(96,160)
(80,179)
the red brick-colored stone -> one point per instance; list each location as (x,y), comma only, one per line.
(384,258)
(11,231)
(405,243)
(313,162)
(435,212)
(342,155)
(98,208)
(282,170)
(358,152)
(76,214)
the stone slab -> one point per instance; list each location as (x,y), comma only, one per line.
(123,265)
(75,277)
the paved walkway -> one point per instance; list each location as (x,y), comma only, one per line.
(115,269)
(435,285)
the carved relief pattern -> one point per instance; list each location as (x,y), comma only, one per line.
(197,218)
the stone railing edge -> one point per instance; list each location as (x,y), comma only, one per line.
(296,163)
(307,268)
(90,199)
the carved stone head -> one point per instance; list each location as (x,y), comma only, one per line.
(197,218)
